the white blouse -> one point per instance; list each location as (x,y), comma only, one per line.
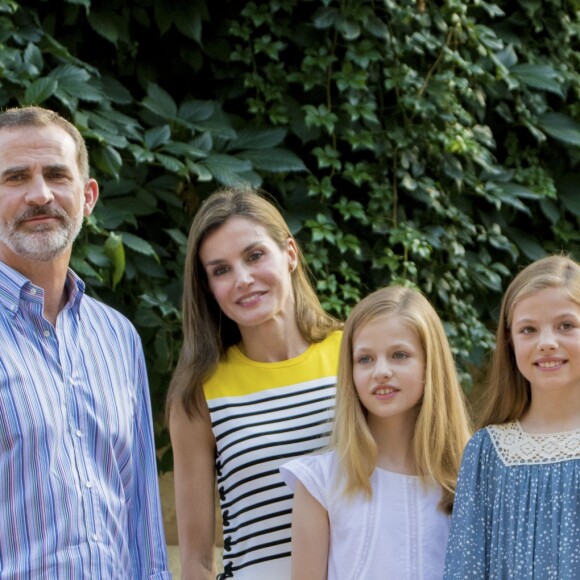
(398,534)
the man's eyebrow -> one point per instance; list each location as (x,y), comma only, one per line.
(15,169)
(56,167)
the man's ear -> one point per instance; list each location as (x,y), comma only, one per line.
(91,194)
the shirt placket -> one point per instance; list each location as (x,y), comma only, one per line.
(68,342)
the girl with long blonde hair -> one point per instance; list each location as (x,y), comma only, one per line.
(377,503)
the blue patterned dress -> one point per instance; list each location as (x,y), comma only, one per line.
(517,507)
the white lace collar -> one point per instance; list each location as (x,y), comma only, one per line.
(517,447)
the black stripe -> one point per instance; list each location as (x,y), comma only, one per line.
(263,473)
(293,429)
(232,529)
(288,418)
(271,458)
(261,533)
(258,561)
(273,397)
(256,490)
(258,505)
(233,417)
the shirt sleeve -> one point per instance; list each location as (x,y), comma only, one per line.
(468,546)
(310,471)
(146,534)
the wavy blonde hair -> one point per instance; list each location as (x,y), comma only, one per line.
(442,427)
(207,332)
(508,395)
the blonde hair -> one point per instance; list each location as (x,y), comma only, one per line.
(508,395)
(207,332)
(442,427)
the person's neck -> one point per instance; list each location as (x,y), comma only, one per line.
(273,342)
(394,439)
(553,412)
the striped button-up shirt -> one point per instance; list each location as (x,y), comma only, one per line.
(78,482)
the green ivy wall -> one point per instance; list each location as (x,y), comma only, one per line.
(417,142)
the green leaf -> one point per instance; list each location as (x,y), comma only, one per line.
(33,56)
(157,136)
(115,91)
(561,127)
(527,244)
(189,24)
(177,236)
(160,102)
(115,251)
(258,138)
(518,190)
(109,25)
(139,245)
(543,77)
(39,90)
(171,163)
(194,111)
(107,159)
(226,169)
(568,188)
(274,160)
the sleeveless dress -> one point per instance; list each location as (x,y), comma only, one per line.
(263,414)
(398,534)
(517,507)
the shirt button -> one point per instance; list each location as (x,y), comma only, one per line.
(46,333)
(95,537)
(89,484)
(71,380)
(79,433)
(12,308)
(33,291)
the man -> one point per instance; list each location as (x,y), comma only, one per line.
(78,485)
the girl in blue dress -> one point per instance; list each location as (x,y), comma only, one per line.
(517,507)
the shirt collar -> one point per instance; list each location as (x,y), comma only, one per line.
(14,286)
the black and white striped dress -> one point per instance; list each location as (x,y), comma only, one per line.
(263,414)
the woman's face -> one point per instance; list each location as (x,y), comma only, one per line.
(249,275)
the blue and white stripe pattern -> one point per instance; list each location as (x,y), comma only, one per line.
(78,481)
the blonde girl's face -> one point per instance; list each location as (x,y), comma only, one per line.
(545,334)
(388,368)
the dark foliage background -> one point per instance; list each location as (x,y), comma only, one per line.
(417,142)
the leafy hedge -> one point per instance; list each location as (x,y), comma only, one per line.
(431,143)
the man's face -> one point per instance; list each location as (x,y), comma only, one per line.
(43,197)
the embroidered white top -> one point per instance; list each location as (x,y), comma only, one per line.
(398,533)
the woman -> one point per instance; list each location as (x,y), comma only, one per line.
(254,385)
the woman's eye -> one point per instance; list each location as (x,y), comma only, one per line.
(527,330)
(364,359)
(400,355)
(220,270)
(567,325)
(255,256)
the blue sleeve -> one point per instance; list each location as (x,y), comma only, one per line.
(468,546)
(146,533)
